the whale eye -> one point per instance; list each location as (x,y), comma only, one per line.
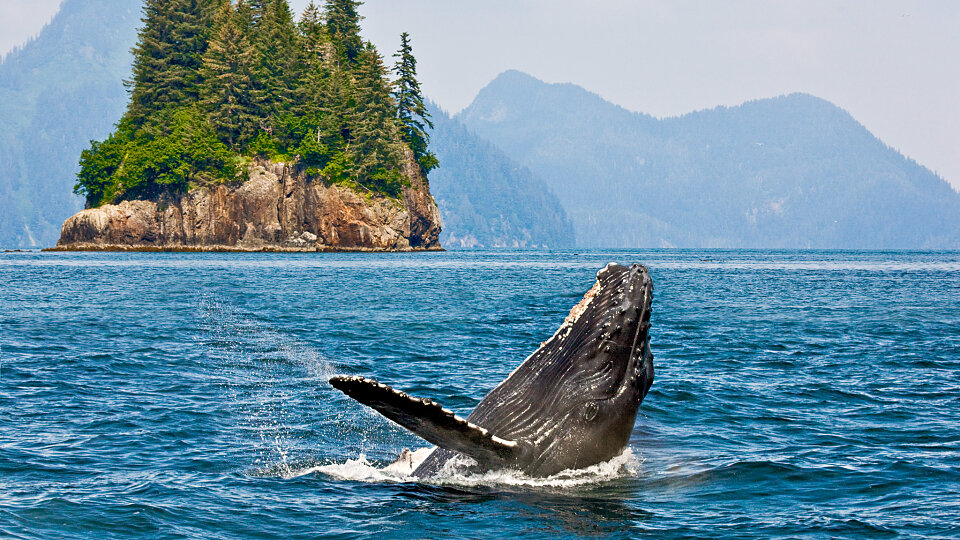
(590,411)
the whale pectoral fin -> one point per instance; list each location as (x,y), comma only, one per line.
(429,420)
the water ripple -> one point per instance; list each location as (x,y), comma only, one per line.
(798,394)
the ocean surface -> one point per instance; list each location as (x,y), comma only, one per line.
(797,394)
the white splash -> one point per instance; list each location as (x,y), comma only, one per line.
(360,470)
(259,369)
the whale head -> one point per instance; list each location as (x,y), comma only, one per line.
(574,401)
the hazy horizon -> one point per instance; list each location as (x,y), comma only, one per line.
(890,64)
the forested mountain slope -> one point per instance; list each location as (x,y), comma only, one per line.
(791,172)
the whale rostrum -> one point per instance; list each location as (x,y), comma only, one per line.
(569,405)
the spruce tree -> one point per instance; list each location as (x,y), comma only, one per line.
(230,95)
(312,27)
(373,130)
(245,16)
(343,25)
(411,111)
(168,56)
(324,90)
(335,105)
(276,39)
(313,44)
(258,8)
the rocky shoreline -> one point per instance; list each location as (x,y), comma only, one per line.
(278,209)
(229,249)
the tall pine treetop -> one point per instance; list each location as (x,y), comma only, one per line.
(312,25)
(343,25)
(168,55)
(411,111)
(229,90)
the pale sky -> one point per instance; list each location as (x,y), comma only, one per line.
(894,65)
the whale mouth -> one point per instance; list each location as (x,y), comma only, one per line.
(641,356)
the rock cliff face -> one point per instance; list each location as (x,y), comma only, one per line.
(277,209)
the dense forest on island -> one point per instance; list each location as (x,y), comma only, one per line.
(218,83)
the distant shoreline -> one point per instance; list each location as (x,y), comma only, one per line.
(233,249)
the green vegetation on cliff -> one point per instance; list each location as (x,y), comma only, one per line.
(216,83)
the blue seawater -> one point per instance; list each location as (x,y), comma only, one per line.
(798,394)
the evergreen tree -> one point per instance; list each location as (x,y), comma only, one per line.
(258,8)
(229,93)
(343,25)
(246,17)
(274,34)
(168,56)
(412,113)
(335,101)
(312,28)
(314,45)
(374,151)
(323,91)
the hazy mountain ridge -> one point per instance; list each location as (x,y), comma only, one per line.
(487,199)
(792,171)
(60,90)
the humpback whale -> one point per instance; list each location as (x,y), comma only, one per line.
(569,405)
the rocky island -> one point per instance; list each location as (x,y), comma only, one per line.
(248,131)
(277,209)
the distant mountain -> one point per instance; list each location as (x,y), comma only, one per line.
(788,172)
(488,200)
(58,92)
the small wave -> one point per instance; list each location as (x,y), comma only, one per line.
(360,470)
